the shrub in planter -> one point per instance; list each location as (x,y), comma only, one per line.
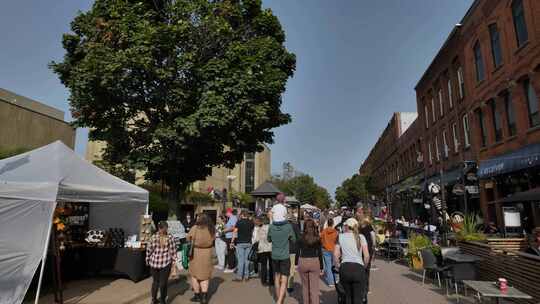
(418,242)
(469,230)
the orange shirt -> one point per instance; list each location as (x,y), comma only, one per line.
(329,237)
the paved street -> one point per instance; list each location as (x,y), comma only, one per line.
(391,283)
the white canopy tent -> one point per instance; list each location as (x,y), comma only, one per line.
(31,184)
(309,207)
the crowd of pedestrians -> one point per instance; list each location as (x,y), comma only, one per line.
(334,246)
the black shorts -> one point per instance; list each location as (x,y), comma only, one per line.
(282,267)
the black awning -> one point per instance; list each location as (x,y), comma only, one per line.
(526,157)
(525,196)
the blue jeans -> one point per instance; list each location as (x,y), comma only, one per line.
(242,254)
(328,258)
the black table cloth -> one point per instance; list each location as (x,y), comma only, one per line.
(131,262)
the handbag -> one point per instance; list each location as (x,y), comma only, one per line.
(192,247)
(253,253)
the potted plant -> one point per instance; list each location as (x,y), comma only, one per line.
(417,242)
(469,230)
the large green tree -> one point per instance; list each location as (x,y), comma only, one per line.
(353,190)
(305,189)
(176,87)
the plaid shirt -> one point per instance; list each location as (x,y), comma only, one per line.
(158,256)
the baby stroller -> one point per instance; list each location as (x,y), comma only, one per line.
(340,291)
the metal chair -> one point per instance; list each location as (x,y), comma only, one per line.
(429,263)
(461,272)
(394,247)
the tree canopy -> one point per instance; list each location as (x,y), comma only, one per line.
(353,190)
(305,189)
(176,87)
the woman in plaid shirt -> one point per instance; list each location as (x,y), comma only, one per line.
(160,256)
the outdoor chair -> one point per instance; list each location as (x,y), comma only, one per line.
(394,248)
(429,262)
(460,272)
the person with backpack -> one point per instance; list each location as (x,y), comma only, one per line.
(351,254)
(280,233)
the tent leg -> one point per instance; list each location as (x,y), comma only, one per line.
(43,259)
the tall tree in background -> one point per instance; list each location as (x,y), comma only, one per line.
(353,190)
(305,189)
(176,87)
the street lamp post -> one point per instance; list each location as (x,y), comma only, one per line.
(230,179)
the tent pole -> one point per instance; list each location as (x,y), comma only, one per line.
(43,259)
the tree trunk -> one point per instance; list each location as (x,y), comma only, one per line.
(176,194)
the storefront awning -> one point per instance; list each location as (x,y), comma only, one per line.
(525,196)
(526,157)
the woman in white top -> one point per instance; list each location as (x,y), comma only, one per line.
(264,250)
(352,254)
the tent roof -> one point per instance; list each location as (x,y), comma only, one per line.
(266,189)
(56,166)
(308,206)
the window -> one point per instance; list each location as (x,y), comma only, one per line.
(510,116)
(496,117)
(441,103)
(479,62)
(433,109)
(520,25)
(532,103)
(445,144)
(430,155)
(450,93)
(482,126)
(426,116)
(461,82)
(250,172)
(466,131)
(496,51)
(456,138)
(437,154)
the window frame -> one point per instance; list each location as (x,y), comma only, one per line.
(446,150)
(534,118)
(496,121)
(523,19)
(466,131)
(450,97)
(461,82)
(433,109)
(441,104)
(479,62)
(482,127)
(426,112)
(456,137)
(511,127)
(495,45)
(437,151)
(430,154)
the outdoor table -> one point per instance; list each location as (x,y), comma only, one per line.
(457,257)
(490,290)
(132,263)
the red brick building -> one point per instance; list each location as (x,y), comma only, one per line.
(478,100)
(478,106)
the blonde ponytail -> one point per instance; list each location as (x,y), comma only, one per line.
(356,233)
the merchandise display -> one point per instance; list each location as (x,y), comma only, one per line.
(147,228)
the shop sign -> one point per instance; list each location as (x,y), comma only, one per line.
(458,189)
(488,185)
(472,189)
(417,200)
(472,177)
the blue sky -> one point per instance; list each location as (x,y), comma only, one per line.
(357,62)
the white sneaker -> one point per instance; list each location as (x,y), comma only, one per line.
(228,271)
(218,267)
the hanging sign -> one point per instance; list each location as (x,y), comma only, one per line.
(472,189)
(458,189)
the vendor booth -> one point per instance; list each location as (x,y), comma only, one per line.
(33,185)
